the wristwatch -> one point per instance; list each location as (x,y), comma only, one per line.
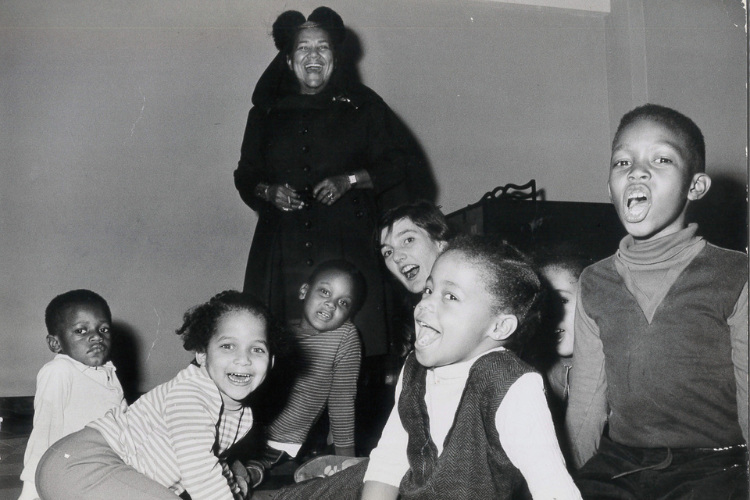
(352,180)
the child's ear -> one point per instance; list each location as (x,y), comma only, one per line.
(200,358)
(54,344)
(504,326)
(441,245)
(699,186)
(303,291)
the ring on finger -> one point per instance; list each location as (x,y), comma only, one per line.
(330,195)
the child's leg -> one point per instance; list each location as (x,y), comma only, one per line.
(82,466)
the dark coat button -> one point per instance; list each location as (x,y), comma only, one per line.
(359,214)
(306,168)
(308,244)
(309,262)
(355,200)
(305,149)
(303,131)
(308,224)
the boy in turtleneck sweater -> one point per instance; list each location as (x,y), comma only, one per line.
(660,332)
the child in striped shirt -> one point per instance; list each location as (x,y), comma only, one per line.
(174,438)
(326,365)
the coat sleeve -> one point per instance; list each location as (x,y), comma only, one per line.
(251,168)
(587,403)
(388,153)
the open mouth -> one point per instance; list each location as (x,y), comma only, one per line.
(240,378)
(324,315)
(560,333)
(426,334)
(637,203)
(314,68)
(410,271)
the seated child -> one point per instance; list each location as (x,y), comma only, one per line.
(561,267)
(471,419)
(326,365)
(174,438)
(80,384)
(661,332)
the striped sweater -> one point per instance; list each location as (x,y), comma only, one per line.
(176,433)
(327,368)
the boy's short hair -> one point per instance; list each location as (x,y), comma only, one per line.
(515,286)
(55,312)
(675,121)
(423,214)
(359,284)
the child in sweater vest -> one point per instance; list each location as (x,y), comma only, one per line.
(661,332)
(471,420)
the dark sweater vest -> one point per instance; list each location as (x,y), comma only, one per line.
(670,383)
(473,464)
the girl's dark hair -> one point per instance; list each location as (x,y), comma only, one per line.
(566,256)
(423,214)
(55,312)
(674,121)
(289,23)
(199,323)
(516,289)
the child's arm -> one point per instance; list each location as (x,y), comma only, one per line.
(738,330)
(528,437)
(388,461)
(52,394)
(343,393)
(191,423)
(587,402)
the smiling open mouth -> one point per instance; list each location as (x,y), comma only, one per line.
(637,203)
(324,315)
(240,378)
(410,272)
(426,335)
(314,68)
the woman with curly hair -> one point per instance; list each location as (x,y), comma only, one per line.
(174,439)
(318,150)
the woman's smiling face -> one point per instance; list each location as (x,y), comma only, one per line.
(409,253)
(312,60)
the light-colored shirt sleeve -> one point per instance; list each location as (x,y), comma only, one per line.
(388,461)
(738,332)
(344,390)
(191,425)
(528,437)
(587,402)
(53,386)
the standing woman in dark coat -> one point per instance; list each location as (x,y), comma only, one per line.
(319,148)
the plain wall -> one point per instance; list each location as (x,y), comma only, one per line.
(121,130)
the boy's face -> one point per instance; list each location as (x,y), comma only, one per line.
(84,335)
(328,301)
(409,253)
(454,321)
(566,286)
(237,357)
(651,180)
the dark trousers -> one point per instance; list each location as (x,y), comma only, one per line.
(692,473)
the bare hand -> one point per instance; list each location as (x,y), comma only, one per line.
(283,197)
(329,190)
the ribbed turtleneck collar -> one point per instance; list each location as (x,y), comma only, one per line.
(659,250)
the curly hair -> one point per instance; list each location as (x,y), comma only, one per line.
(509,277)
(54,314)
(674,121)
(289,23)
(200,322)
